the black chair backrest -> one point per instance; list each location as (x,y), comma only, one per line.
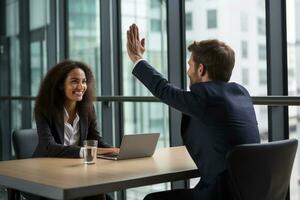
(24,142)
(262,171)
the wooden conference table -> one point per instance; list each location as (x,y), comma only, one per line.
(61,178)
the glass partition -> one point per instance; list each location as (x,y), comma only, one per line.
(12,32)
(84,39)
(150,16)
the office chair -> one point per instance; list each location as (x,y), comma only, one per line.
(262,171)
(24,143)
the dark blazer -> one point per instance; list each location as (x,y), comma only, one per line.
(51,137)
(216,117)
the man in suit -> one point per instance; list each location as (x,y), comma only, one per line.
(217,114)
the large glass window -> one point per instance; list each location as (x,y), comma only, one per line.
(231,23)
(12,17)
(38,23)
(293,48)
(12,31)
(84,39)
(150,16)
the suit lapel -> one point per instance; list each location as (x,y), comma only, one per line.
(83,130)
(60,131)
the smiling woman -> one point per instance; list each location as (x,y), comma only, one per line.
(64,111)
(65,115)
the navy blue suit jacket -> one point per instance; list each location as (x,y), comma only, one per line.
(216,117)
(51,137)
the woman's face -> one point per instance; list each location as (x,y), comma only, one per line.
(75,85)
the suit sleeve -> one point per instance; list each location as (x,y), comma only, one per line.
(184,101)
(47,146)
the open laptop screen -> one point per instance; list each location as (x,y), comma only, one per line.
(135,146)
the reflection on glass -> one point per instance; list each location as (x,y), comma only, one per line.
(293,47)
(84,39)
(150,16)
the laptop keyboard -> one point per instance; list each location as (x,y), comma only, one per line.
(109,154)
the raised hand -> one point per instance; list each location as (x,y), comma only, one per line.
(135,46)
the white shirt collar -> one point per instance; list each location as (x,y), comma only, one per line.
(66,116)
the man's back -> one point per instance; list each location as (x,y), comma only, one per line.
(227,118)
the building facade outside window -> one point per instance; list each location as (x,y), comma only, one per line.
(189,21)
(244,47)
(212,20)
(261,26)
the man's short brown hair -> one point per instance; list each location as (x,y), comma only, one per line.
(217,58)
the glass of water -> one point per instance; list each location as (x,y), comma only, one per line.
(90,151)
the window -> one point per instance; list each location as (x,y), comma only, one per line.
(155,25)
(12,18)
(145,117)
(84,39)
(245,76)
(189,21)
(39,13)
(244,22)
(262,52)
(244,47)
(262,77)
(155,4)
(212,19)
(12,31)
(261,26)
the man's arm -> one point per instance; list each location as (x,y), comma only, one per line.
(182,100)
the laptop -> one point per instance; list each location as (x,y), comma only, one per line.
(134,146)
